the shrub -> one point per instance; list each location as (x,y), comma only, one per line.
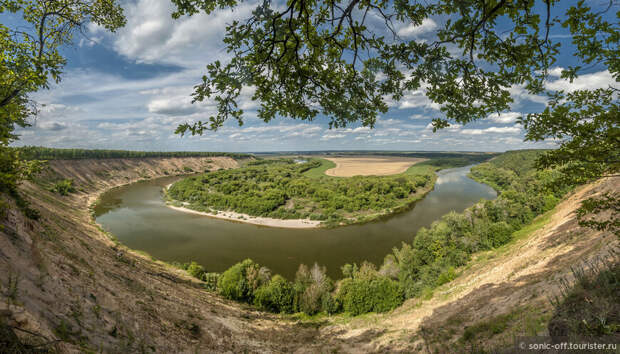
(499,233)
(312,288)
(277,296)
(446,276)
(210,280)
(312,299)
(360,296)
(240,281)
(64,187)
(196,270)
(590,306)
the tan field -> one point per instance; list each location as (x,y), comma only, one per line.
(370,165)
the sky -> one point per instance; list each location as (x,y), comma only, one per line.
(131,89)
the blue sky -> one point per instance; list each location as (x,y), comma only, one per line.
(129,90)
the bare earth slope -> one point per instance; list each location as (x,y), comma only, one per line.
(514,284)
(76,285)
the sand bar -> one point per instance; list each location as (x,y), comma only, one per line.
(255,220)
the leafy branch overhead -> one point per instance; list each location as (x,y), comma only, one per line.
(30,57)
(345,60)
(307,58)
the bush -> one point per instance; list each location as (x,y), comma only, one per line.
(312,299)
(64,187)
(590,306)
(446,276)
(500,233)
(210,280)
(312,289)
(277,296)
(240,281)
(360,296)
(196,270)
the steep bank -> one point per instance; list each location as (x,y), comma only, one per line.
(65,279)
(502,294)
(75,284)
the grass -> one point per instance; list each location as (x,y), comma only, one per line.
(525,232)
(590,306)
(420,168)
(12,288)
(319,172)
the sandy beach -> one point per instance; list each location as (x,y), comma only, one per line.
(256,220)
(232,216)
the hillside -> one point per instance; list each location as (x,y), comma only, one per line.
(65,279)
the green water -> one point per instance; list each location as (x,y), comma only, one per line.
(138,217)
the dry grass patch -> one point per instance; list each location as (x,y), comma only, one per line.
(370,165)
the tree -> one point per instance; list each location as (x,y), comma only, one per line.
(311,58)
(30,57)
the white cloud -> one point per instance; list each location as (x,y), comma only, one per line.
(555,71)
(601,79)
(504,117)
(175,106)
(497,130)
(520,95)
(52,125)
(412,30)
(332,135)
(151,35)
(417,99)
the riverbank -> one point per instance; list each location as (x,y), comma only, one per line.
(267,192)
(256,220)
(77,287)
(81,291)
(301,223)
(248,219)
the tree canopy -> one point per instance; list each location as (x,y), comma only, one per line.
(30,58)
(307,59)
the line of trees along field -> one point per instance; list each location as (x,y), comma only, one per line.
(45,153)
(282,189)
(414,269)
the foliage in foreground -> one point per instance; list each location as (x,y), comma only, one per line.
(416,268)
(31,58)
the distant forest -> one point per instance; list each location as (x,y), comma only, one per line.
(479,156)
(45,153)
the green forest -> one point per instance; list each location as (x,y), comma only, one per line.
(285,189)
(45,153)
(415,269)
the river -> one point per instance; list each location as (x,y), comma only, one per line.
(137,215)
